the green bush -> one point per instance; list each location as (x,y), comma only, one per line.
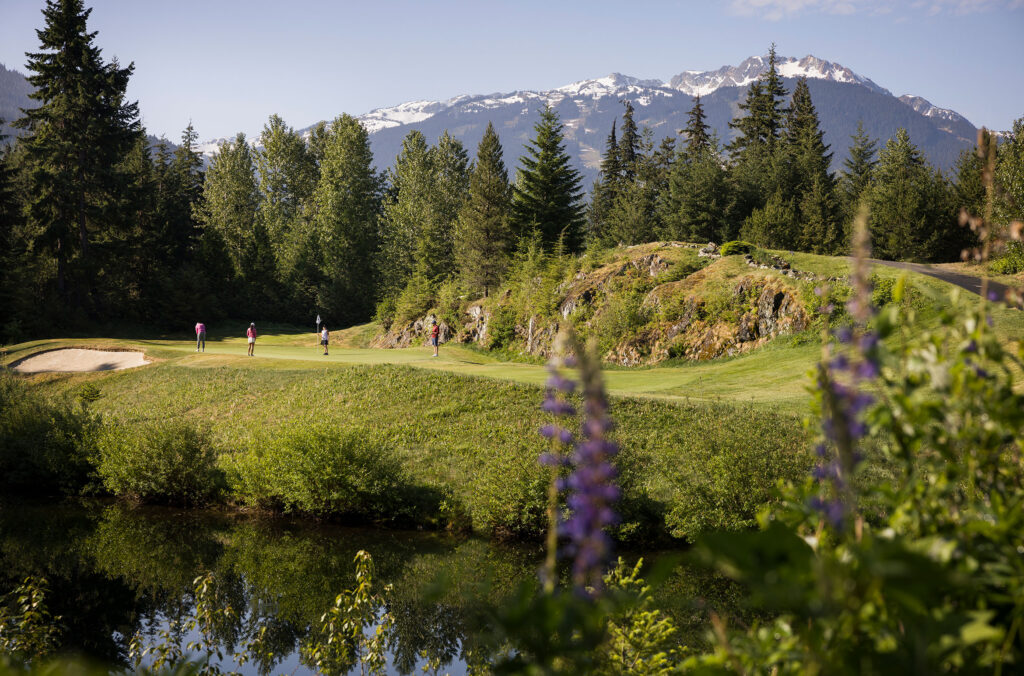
(46,446)
(327,472)
(736,247)
(1011,262)
(729,476)
(501,328)
(168,462)
(509,498)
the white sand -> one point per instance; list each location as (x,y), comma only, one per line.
(79,360)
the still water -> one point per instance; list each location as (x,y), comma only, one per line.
(116,573)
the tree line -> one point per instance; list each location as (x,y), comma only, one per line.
(99,226)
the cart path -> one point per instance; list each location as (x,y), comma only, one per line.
(972,284)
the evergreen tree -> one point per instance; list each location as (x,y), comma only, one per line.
(969,188)
(909,218)
(450,173)
(760,129)
(75,143)
(406,209)
(605,188)
(183,188)
(698,196)
(629,145)
(813,187)
(546,197)
(858,171)
(229,204)
(347,203)
(760,167)
(1009,175)
(774,226)
(484,240)
(287,177)
(633,216)
(698,138)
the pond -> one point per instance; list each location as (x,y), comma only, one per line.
(116,573)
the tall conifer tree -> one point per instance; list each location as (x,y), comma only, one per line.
(546,196)
(75,143)
(347,200)
(698,139)
(858,170)
(484,236)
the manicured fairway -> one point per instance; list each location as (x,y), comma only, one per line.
(775,377)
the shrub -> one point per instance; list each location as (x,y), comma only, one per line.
(46,446)
(1011,262)
(730,476)
(501,328)
(171,462)
(510,496)
(736,247)
(329,473)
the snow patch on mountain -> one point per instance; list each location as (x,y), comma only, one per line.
(703,83)
(926,108)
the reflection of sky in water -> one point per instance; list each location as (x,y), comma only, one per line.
(291,664)
(114,571)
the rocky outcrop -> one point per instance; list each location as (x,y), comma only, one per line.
(766,306)
(584,288)
(412,333)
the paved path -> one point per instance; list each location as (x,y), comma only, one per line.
(972,284)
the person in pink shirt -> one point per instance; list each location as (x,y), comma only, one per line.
(200,336)
(251,335)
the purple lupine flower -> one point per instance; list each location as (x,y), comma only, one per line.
(593,491)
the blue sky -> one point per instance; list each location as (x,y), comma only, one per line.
(227,65)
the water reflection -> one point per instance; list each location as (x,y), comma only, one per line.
(116,572)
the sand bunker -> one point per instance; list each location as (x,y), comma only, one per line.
(78,360)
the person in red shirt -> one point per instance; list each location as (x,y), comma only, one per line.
(434,333)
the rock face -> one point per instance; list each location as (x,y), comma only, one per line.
(766,308)
(758,308)
(412,333)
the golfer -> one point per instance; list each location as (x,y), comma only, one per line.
(434,332)
(200,336)
(251,335)
(324,338)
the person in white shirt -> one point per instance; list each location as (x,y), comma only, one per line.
(324,337)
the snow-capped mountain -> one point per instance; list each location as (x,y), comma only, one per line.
(703,83)
(588,107)
(926,108)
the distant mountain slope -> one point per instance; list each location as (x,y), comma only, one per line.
(14,91)
(587,109)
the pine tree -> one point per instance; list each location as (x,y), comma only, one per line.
(813,187)
(546,196)
(450,169)
(605,188)
(698,139)
(184,190)
(629,144)
(969,189)
(903,216)
(229,204)
(858,171)
(484,240)
(287,178)
(698,197)
(633,217)
(75,143)
(760,165)
(347,203)
(406,209)
(1009,175)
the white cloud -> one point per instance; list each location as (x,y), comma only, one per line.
(774,10)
